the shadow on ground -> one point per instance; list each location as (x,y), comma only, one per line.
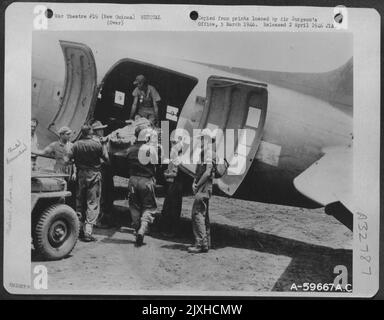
(309,262)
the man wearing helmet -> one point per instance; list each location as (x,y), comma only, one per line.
(141,186)
(202,189)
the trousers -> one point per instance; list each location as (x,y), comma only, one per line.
(200,222)
(172,205)
(106,198)
(88,197)
(142,201)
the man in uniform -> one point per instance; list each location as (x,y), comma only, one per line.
(60,150)
(202,189)
(88,155)
(98,130)
(106,200)
(145,100)
(172,206)
(34,142)
(141,186)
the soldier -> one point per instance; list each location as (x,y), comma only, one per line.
(202,189)
(172,206)
(145,100)
(106,200)
(88,155)
(141,186)
(60,150)
(34,143)
(98,130)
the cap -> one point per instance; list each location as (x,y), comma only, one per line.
(64,130)
(98,125)
(139,79)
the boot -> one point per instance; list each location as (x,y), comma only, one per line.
(140,234)
(195,249)
(139,240)
(88,238)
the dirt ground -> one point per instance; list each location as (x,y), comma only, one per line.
(256,248)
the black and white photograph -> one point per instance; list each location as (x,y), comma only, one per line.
(193,162)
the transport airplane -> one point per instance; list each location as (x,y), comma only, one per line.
(299,124)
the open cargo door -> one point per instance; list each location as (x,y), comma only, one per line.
(235,104)
(80,88)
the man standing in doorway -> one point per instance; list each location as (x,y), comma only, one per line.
(145,100)
(88,155)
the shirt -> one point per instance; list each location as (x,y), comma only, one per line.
(87,154)
(206,163)
(145,98)
(174,162)
(136,167)
(61,152)
(105,146)
(96,138)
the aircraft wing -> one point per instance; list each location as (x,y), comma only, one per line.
(329,179)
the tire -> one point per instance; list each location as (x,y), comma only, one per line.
(56,232)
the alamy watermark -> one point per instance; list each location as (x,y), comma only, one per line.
(196,147)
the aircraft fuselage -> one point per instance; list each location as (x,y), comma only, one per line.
(294,129)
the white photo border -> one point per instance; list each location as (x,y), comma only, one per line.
(20,22)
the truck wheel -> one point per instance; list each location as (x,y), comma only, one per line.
(56,232)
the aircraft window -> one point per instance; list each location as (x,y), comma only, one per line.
(253,117)
(119,97)
(171,113)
